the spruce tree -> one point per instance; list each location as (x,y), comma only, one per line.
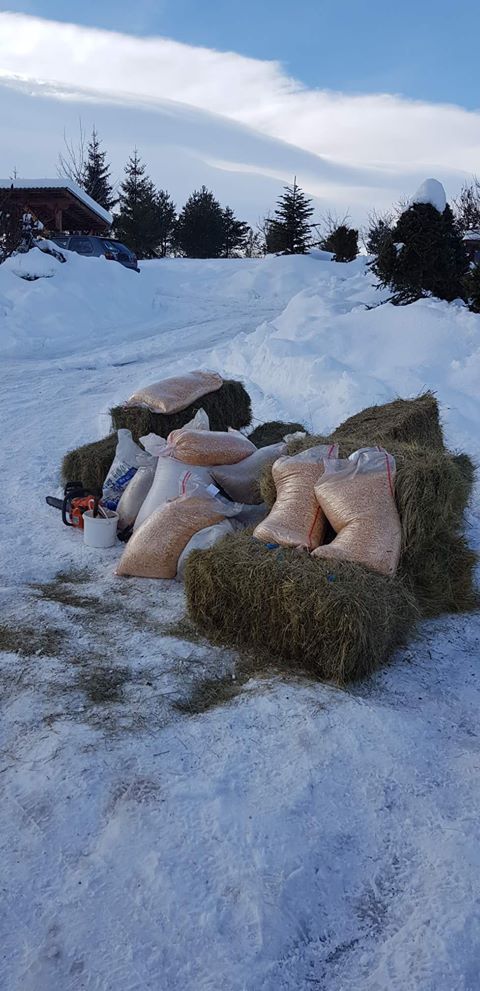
(235,233)
(289,231)
(423,255)
(137,220)
(166,222)
(467,207)
(472,287)
(97,174)
(379,226)
(343,243)
(200,226)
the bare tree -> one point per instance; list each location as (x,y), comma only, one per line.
(72,162)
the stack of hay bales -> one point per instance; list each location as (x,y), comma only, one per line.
(228,406)
(340,620)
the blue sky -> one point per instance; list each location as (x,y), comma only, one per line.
(426,49)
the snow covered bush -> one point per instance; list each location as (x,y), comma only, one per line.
(472,284)
(423,254)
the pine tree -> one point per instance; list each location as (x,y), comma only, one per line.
(11,226)
(467,207)
(343,243)
(137,221)
(200,226)
(379,226)
(423,255)
(289,232)
(235,233)
(472,287)
(166,221)
(97,174)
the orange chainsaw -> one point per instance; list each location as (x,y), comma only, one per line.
(76,500)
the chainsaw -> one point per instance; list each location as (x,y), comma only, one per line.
(76,501)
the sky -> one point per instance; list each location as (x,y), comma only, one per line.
(361,101)
(424,49)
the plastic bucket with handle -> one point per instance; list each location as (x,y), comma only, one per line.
(100,530)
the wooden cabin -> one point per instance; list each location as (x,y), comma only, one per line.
(59,205)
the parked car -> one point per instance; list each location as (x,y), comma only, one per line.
(95,245)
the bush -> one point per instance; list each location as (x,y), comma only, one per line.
(423,255)
(343,243)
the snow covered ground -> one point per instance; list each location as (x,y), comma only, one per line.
(295,836)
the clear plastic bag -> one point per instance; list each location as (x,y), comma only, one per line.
(170,478)
(154,549)
(296,519)
(128,458)
(357,497)
(207,448)
(174,394)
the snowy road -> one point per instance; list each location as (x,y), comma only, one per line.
(290,836)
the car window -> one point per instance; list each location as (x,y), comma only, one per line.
(109,245)
(82,244)
(61,241)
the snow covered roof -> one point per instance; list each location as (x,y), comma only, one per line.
(60,183)
(471,236)
(431,191)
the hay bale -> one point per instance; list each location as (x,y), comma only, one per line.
(228,406)
(336,620)
(408,420)
(90,463)
(432,491)
(273,432)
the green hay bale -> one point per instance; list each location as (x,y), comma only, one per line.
(229,406)
(273,432)
(90,463)
(408,420)
(336,620)
(432,491)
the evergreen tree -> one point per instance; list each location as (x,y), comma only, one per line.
(423,255)
(166,221)
(200,231)
(97,174)
(472,287)
(11,226)
(289,232)
(379,226)
(467,207)
(137,220)
(235,233)
(343,243)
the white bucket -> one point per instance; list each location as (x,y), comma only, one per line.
(100,531)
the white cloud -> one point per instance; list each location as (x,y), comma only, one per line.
(392,140)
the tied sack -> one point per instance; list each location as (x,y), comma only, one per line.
(201,541)
(357,497)
(296,519)
(170,481)
(134,495)
(215,447)
(174,394)
(154,549)
(129,457)
(242,481)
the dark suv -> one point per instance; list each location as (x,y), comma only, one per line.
(95,245)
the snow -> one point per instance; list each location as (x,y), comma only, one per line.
(296,836)
(431,191)
(62,183)
(471,236)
